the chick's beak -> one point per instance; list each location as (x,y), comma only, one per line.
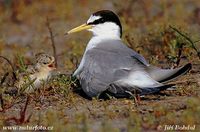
(52,66)
(79,28)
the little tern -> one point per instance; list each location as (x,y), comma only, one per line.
(109,65)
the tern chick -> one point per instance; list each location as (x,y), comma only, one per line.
(36,74)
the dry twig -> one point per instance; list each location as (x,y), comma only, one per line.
(188,39)
(10,63)
(2,102)
(52,40)
(22,118)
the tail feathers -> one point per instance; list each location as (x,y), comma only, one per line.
(165,75)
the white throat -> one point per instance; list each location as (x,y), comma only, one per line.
(106,30)
(101,32)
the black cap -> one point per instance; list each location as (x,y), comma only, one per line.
(107,16)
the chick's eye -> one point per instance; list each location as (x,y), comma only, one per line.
(45,63)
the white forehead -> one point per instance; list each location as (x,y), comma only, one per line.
(93,18)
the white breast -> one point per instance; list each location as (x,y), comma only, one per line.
(92,43)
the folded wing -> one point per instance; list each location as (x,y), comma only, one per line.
(165,75)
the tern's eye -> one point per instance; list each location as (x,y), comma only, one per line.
(97,21)
(101,20)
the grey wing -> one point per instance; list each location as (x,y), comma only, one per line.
(101,68)
(165,75)
(119,47)
(114,67)
(160,75)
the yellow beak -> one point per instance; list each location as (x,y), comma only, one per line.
(79,28)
